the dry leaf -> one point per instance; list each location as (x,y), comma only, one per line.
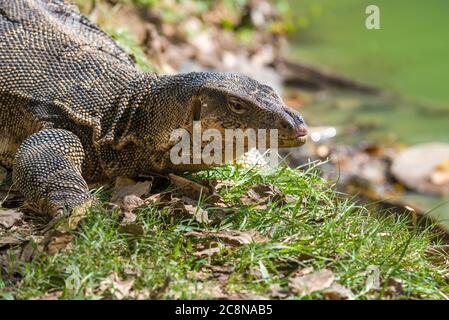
(156,198)
(373,279)
(33,247)
(234,237)
(219,184)
(189,188)
(58,241)
(51,296)
(190,207)
(8,218)
(9,241)
(207,252)
(127,193)
(276,291)
(119,288)
(394,287)
(312,282)
(131,202)
(221,268)
(129,217)
(338,292)
(200,214)
(246,295)
(261,194)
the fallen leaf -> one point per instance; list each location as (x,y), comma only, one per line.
(156,198)
(200,214)
(234,237)
(58,241)
(119,288)
(9,241)
(207,252)
(189,188)
(219,184)
(338,292)
(438,250)
(127,193)
(261,194)
(246,295)
(208,289)
(8,218)
(51,296)
(131,202)
(394,287)
(33,247)
(221,268)
(312,282)
(129,217)
(190,207)
(276,291)
(373,278)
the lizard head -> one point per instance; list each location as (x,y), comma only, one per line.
(233,101)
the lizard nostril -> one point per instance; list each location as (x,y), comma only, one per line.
(301,131)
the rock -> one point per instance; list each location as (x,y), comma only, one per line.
(417,166)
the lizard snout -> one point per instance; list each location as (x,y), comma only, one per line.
(293,130)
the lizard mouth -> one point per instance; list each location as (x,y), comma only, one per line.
(301,134)
(296,138)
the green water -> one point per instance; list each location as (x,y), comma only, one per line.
(409,56)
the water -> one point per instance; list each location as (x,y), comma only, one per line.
(408,56)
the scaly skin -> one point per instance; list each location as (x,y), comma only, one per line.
(74,107)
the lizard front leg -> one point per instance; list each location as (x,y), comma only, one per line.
(47,171)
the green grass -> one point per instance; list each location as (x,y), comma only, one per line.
(321,229)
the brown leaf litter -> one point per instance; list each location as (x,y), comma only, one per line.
(9,218)
(323,280)
(115,286)
(263,193)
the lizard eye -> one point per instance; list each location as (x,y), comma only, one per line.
(236,107)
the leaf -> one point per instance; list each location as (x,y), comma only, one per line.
(131,202)
(9,241)
(276,291)
(189,188)
(51,296)
(127,193)
(8,218)
(373,279)
(119,288)
(129,217)
(33,247)
(338,292)
(220,184)
(190,207)
(200,214)
(246,295)
(58,241)
(261,194)
(207,252)
(234,237)
(312,282)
